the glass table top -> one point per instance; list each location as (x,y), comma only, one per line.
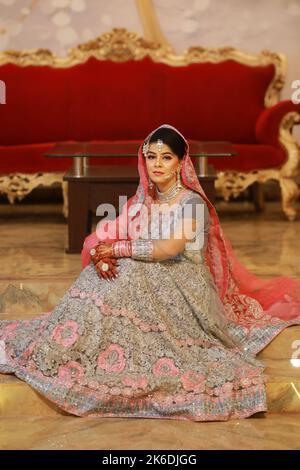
(130,149)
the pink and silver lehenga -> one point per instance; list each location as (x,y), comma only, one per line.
(166,339)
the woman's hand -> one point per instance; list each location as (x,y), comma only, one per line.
(112,272)
(103,250)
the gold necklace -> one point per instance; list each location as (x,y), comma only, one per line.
(169,194)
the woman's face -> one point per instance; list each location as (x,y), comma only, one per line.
(163,161)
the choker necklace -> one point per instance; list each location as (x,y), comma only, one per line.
(169,194)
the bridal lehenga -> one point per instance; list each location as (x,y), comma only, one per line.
(171,339)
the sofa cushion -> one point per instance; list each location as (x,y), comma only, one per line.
(250,157)
(30,159)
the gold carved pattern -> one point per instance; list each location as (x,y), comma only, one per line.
(121,45)
(18,185)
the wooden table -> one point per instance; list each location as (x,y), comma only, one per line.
(90,186)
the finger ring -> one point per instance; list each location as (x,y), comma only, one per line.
(105,267)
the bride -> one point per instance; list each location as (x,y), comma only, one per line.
(163,321)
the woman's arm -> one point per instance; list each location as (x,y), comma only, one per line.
(194,218)
(152,250)
(168,248)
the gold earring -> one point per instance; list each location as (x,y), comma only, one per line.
(150,184)
(178,182)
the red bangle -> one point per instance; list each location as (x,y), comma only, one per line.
(122,248)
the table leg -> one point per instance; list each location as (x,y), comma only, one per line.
(85,163)
(202,166)
(78,165)
(79,216)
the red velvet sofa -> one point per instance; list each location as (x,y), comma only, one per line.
(121,87)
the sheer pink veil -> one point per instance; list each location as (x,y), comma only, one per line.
(246,298)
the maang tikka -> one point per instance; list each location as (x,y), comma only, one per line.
(159,145)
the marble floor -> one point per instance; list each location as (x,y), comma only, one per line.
(35,272)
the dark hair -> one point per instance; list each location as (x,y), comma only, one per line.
(170,138)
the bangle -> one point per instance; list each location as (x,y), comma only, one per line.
(121,249)
(142,249)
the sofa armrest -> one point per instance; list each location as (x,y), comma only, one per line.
(269,121)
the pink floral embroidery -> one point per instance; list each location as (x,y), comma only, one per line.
(258,380)
(246,382)
(103,389)
(29,350)
(115,312)
(71,370)
(145,327)
(31,366)
(66,334)
(165,366)
(83,381)
(115,391)
(7,331)
(224,390)
(75,292)
(94,384)
(227,387)
(140,382)
(107,310)
(247,371)
(193,381)
(196,341)
(112,359)
(98,302)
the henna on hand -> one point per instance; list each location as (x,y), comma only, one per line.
(102,250)
(112,272)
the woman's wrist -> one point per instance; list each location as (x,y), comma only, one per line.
(142,249)
(136,249)
(121,249)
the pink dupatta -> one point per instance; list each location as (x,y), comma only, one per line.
(246,298)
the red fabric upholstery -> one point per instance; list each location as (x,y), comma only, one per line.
(97,100)
(269,120)
(250,157)
(30,158)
